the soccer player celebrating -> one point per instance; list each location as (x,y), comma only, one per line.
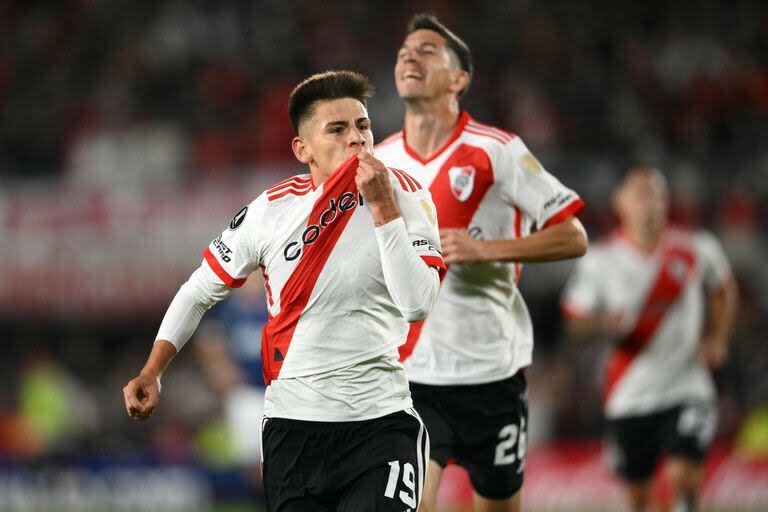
(466,362)
(350,253)
(646,287)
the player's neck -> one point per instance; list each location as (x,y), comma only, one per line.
(318,175)
(644,241)
(428,124)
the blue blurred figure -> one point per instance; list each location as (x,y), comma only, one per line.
(228,348)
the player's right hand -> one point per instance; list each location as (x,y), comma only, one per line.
(141,396)
(373,180)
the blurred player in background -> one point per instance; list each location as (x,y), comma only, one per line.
(466,361)
(228,349)
(350,252)
(649,288)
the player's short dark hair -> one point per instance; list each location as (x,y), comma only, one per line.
(641,167)
(630,169)
(330,85)
(455,43)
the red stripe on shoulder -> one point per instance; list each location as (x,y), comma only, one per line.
(290,184)
(502,133)
(412,183)
(219,270)
(490,129)
(295,181)
(297,178)
(287,191)
(400,178)
(412,180)
(485,134)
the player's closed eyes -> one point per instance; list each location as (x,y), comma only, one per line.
(428,50)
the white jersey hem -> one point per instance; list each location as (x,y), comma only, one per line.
(613,413)
(485,379)
(404,404)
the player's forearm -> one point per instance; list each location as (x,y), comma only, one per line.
(586,328)
(412,284)
(161,354)
(722,309)
(565,240)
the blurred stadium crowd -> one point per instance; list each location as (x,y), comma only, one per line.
(149,103)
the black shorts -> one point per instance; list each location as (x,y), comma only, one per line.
(373,465)
(636,443)
(482,427)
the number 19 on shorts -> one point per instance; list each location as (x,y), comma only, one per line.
(407,496)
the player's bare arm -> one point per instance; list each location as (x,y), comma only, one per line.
(567,239)
(595,326)
(142,393)
(722,308)
(374,183)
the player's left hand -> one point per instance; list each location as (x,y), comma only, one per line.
(714,351)
(459,247)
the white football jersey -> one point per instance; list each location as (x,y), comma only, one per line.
(661,300)
(329,307)
(485,180)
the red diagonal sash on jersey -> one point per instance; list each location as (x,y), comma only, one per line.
(277,334)
(452,213)
(677,265)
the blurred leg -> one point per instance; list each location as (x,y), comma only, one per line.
(639,495)
(431,485)
(481,504)
(684,478)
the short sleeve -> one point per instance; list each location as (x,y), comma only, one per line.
(234,254)
(524,182)
(420,216)
(714,266)
(582,294)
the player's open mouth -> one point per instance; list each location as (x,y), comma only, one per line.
(412,75)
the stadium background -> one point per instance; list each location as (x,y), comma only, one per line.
(130,132)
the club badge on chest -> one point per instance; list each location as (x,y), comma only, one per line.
(462,181)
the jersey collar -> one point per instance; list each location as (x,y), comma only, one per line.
(464,118)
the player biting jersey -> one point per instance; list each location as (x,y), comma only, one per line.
(648,287)
(350,254)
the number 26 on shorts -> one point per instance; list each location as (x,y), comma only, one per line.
(510,437)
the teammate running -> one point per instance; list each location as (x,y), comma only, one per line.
(466,362)
(649,288)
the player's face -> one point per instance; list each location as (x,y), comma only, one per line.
(643,202)
(425,67)
(337,130)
